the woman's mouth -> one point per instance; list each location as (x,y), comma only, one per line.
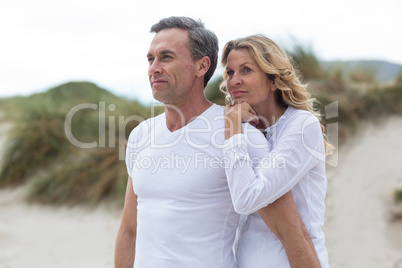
(238,93)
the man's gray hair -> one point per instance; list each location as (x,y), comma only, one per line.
(202,42)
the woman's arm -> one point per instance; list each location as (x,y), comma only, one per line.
(281,216)
(283,219)
(280,169)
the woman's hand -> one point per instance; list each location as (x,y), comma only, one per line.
(237,114)
(242,112)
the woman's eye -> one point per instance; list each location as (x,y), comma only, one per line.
(247,70)
(230,73)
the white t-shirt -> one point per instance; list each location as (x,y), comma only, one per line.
(185,212)
(295,161)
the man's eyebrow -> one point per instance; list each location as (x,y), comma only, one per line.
(163,52)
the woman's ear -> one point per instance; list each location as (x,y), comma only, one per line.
(202,66)
(273,85)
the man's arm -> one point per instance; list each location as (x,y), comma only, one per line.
(125,242)
(284,220)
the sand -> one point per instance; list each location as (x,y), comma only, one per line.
(33,235)
(44,236)
(360,198)
(358,227)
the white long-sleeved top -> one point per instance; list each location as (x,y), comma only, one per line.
(294,160)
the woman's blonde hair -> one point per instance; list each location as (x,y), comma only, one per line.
(274,61)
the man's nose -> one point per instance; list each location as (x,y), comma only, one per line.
(154,68)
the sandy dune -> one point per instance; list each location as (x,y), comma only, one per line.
(357,218)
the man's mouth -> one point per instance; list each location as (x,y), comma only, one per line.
(158,82)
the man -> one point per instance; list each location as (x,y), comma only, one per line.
(178,210)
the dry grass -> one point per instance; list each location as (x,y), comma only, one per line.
(95,176)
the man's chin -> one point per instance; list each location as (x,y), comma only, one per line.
(165,100)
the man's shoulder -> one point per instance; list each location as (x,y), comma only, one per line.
(144,128)
(151,122)
(216,111)
(218,108)
(213,117)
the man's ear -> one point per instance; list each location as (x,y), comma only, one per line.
(202,66)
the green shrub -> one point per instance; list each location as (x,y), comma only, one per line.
(213,93)
(398,195)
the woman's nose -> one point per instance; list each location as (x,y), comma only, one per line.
(236,80)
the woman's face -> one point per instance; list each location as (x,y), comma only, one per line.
(246,80)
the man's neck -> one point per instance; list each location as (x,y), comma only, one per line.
(177,116)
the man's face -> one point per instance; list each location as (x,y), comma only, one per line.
(171,70)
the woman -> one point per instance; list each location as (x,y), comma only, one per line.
(264,89)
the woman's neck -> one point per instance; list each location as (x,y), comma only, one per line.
(269,114)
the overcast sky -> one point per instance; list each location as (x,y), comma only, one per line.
(45,43)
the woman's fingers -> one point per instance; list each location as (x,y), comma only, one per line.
(230,110)
(242,111)
(247,113)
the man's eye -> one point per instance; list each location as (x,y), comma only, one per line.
(150,60)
